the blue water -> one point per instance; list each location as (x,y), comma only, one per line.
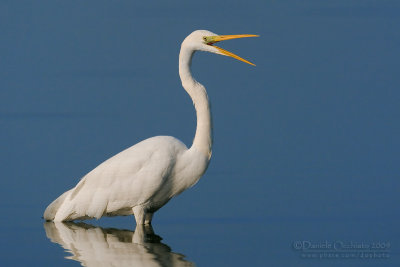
(206,242)
(305,167)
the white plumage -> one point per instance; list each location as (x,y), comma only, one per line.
(144,177)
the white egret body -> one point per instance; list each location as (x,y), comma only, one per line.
(144,177)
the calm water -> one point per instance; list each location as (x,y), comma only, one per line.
(305,168)
(205,242)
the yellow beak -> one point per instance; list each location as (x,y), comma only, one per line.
(211,40)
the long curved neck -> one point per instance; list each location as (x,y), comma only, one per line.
(203,138)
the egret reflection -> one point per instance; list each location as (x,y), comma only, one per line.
(96,246)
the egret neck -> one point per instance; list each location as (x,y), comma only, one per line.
(203,137)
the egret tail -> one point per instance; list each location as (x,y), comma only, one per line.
(52,209)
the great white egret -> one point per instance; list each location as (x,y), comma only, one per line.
(144,177)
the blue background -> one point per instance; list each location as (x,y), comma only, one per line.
(306,144)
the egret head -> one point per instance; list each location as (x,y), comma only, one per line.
(204,41)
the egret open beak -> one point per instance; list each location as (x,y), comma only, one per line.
(211,40)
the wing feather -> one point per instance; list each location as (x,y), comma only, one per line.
(128,179)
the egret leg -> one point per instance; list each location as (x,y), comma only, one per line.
(147,218)
(139,214)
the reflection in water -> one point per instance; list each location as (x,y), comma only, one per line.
(96,246)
